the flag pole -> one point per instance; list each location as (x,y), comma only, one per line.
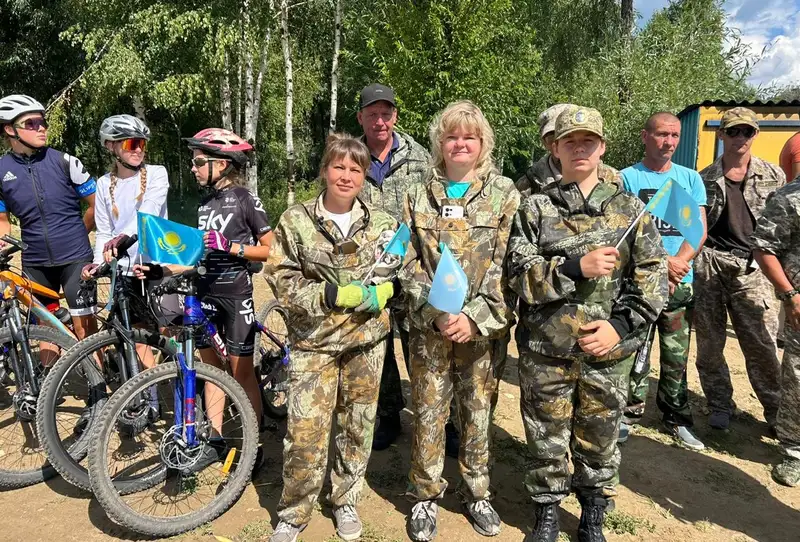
(630,228)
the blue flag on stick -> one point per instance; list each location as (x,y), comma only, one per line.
(450,286)
(167,242)
(676,207)
(399,242)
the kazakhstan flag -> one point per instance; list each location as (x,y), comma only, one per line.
(450,286)
(167,242)
(676,207)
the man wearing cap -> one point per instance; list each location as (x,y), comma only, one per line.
(584,312)
(548,168)
(660,136)
(397,162)
(729,281)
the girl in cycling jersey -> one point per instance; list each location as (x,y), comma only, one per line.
(237,230)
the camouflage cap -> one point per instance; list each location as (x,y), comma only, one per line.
(575,118)
(547,120)
(738,115)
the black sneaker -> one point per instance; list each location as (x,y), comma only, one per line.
(593,510)
(389,429)
(547,528)
(422,521)
(452,440)
(96,397)
(212,451)
(484,518)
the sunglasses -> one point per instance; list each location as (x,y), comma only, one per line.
(736,131)
(32,124)
(201,161)
(133,144)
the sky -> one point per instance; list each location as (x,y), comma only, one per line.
(762,23)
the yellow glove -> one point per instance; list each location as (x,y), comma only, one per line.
(384,293)
(351,296)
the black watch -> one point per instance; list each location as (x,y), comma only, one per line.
(786,296)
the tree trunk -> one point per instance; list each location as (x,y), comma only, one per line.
(252,172)
(225,95)
(626,18)
(337,41)
(237,127)
(138,108)
(287,62)
(252,179)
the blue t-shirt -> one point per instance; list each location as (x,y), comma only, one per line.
(456,189)
(644,183)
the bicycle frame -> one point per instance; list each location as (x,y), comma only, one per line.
(13,288)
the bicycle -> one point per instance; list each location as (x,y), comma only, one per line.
(273,376)
(184,449)
(77,386)
(26,353)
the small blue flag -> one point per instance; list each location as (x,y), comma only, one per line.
(399,242)
(167,242)
(676,207)
(450,286)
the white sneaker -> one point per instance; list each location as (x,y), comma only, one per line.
(348,526)
(286,532)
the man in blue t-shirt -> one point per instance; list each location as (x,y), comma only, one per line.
(660,137)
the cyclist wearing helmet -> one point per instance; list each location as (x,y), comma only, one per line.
(237,231)
(44,188)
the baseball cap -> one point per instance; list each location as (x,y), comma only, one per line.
(575,118)
(547,120)
(376,93)
(736,116)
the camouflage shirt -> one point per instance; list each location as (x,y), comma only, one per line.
(761,180)
(308,252)
(409,166)
(478,241)
(545,171)
(561,225)
(778,230)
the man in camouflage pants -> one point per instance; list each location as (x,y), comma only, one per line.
(397,163)
(660,136)
(779,259)
(548,168)
(728,280)
(584,309)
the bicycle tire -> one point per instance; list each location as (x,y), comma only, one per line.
(17,479)
(107,494)
(67,461)
(278,325)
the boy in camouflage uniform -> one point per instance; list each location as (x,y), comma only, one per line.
(338,336)
(778,255)
(727,280)
(469,208)
(584,308)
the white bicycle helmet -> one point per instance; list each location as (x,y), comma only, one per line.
(119,127)
(15,105)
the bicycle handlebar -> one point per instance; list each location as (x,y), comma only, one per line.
(14,246)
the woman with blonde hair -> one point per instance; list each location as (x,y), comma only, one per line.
(467,206)
(322,256)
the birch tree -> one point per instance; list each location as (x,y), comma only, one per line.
(287,64)
(337,42)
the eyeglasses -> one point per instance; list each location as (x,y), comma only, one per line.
(32,124)
(133,144)
(200,161)
(736,131)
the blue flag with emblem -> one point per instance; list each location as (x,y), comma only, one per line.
(676,207)
(167,242)
(399,241)
(450,286)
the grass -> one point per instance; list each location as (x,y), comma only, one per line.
(392,476)
(368,534)
(703,526)
(623,523)
(511,451)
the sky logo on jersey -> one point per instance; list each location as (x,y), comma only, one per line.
(9,177)
(167,242)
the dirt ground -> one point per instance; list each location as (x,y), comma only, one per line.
(666,493)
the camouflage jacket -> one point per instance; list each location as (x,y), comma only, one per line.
(308,252)
(778,230)
(545,171)
(560,225)
(409,166)
(478,241)
(761,180)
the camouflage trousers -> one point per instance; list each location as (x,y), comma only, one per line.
(325,389)
(572,406)
(441,371)
(724,285)
(788,422)
(674,327)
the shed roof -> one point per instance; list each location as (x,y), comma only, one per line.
(745,103)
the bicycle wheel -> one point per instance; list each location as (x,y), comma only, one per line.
(273,373)
(194,491)
(75,391)
(23,461)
